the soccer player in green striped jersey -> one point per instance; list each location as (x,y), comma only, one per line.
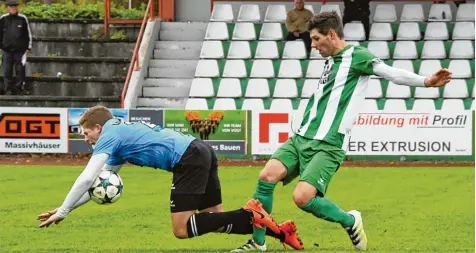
(317,149)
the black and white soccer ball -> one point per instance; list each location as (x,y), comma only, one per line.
(107,188)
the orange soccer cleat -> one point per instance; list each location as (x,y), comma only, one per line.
(291,236)
(260,217)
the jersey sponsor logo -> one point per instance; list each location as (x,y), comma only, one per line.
(30,126)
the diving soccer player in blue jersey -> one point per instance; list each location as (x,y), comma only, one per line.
(195,183)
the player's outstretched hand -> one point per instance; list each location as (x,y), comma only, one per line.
(440,78)
(49,218)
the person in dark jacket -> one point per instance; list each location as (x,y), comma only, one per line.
(357,10)
(15,38)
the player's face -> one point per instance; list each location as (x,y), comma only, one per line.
(91,135)
(324,43)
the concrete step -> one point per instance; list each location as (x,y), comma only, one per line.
(165,92)
(60,101)
(182,31)
(186,50)
(157,103)
(168,82)
(82,48)
(172,68)
(82,29)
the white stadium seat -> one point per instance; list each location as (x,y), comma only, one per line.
(412,13)
(456,88)
(424,105)
(397,91)
(239,50)
(315,55)
(257,88)
(455,105)
(271,31)
(310,86)
(381,31)
(429,67)
(224,104)
(404,64)
(285,88)
(379,49)
(253,104)
(331,7)
(463,31)
(235,68)
(309,7)
(249,13)
(395,105)
(267,50)
(408,31)
(369,105)
(294,50)
(216,31)
(405,50)
(462,49)
(262,69)
(374,90)
(229,88)
(196,104)
(290,69)
(281,104)
(460,69)
(433,49)
(440,12)
(465,12)
(244,31)
(424,92)
(354,31)
(201,87)
(275,13)
(222,13)
(207,68)
(212,49)
(385,13)
(436,31)
(315,68)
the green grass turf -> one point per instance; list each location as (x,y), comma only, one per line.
(404,210)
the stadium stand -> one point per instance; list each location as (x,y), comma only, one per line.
(246,64)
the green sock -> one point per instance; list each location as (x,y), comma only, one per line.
(325,209)
(264,193)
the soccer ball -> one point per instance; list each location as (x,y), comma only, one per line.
(107,188)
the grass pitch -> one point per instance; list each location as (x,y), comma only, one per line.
(404,210)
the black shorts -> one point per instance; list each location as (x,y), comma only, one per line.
(195,182)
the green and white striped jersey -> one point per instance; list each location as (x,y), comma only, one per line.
(332,109)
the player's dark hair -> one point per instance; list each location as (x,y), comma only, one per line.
(97,115)
(326,21)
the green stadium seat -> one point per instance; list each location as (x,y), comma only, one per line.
(385,13)
(381,31)
(262,69)
(239,50)
(294,50)
(452,105)
(440,13)
(374,90)
(423,105)
(315,68)
(275,13)
(285,88)
(212,49)
(465,12)
(460,69)
(244,31)
(290,69)
(463,31)
(224,104)
(433,49)
(229,88)
(222,13)
(379,49)
(207,68)
(354,31)
(249,13)
(202,87)
(216,31)
(408,31)
(436,31)
(412,13)
(462,49)
(196,104)
(267,50)
(271,31)
(254,104)
(456,88)
(405,50)
(235,69)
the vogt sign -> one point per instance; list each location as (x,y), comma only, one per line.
(33,130)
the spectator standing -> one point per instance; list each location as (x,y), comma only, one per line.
(357,10)
(296,24)
(15,38)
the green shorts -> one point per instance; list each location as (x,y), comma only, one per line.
(314,161)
